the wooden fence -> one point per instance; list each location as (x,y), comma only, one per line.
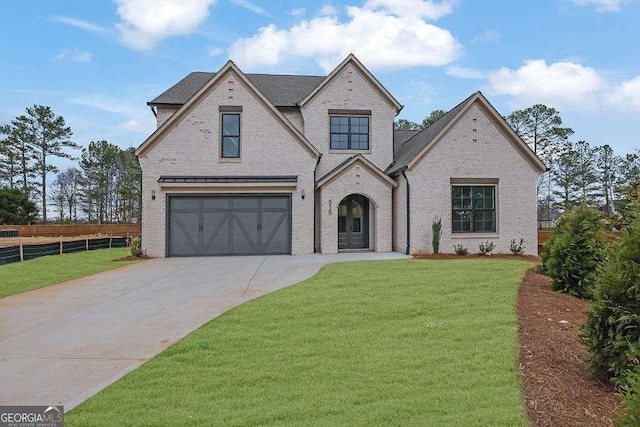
(47,230)
(543,236)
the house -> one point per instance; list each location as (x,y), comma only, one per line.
(286,164)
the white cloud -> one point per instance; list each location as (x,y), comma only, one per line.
(328,10)
(422,8)
(465,73)
(626,97)
(382,33)
(74,55)
(147,22)
(250,6)
(79,23)
(489,36)
(603,5)
(563,83)
(136,119)
(214,51)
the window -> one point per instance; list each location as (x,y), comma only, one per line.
(474,209)
(230,142)
(349,133)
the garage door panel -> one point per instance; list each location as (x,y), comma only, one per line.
(242,203)
(275,203)
(184,233)
(216,203)
(215,232)
(244,233)
(185,204)
(229,225)
(275,232)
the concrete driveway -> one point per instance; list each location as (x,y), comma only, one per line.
(62,344)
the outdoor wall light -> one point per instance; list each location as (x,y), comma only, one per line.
(153,194)
(302,194)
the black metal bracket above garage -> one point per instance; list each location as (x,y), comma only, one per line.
(282,181)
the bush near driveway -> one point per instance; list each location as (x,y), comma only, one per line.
(409,342)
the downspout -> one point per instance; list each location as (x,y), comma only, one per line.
(315,210)
(407,252)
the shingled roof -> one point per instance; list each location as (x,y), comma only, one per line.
(282,90)
(405,152)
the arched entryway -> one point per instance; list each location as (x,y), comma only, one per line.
(354,222)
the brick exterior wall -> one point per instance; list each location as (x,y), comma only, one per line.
(163,113)
(473,148)
(400,215)
(191,147)
(356,179)
(349,90)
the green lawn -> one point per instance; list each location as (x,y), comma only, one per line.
(44,271)
(408,342)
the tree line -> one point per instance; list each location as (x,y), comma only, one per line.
(578,173)
(104,187)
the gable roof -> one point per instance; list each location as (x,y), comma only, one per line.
(400,136)
(201,94)
(350,161)
(410,152)
(281,90)
(351,59)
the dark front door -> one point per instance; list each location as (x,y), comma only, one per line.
(229,225)
(353,222)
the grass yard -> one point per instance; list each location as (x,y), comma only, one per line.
(408,342)
(44,271)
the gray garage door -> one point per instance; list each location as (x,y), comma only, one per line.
(229,225)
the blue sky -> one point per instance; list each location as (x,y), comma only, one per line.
(97,62)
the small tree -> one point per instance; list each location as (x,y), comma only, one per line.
(575,251)
(16,208)
(436,230)
(612,330)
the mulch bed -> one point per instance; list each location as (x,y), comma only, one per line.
(133,258)
(558,389)
(476,256)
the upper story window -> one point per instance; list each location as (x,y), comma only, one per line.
(349,133)
(230,135)
(473,208)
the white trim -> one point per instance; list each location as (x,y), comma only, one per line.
(358,158)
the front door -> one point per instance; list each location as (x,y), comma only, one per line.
(353,222)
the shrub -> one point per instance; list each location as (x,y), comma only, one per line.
(630,391)
(436,229)
(486,248)
(575,251)
(612,330)
(136,247)
(517,248)
(460,250)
